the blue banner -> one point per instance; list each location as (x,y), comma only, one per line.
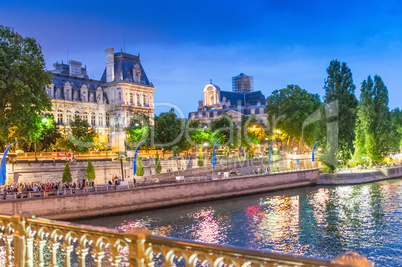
(3,167)
(313,150)
(135,157)
(213,156)
(270,148)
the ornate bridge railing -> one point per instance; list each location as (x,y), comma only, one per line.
(40,242)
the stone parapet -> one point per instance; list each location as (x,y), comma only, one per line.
(107,203)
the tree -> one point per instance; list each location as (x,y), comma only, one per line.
(140,168)
(200,162)
(293,105)
(339,87)
(138,130)
(90,171)
(49,138)
(82,135)
(67,174)
(396,132)
(373,126)
(157,166)
(168,130)
(22,82)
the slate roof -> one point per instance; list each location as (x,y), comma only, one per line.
(75,82)
(123,69)
(244,111)
(246,99)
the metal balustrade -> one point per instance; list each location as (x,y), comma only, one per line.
(40,242)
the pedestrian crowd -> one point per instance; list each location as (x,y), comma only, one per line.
(42,187)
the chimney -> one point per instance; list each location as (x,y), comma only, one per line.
(109,65)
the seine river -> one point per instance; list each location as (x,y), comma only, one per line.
(310,221)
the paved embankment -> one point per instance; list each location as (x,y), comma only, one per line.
(345,178)
(107,203)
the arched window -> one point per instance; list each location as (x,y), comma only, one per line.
(60,116)
(69,116)
(100,119)
(107,119)
(85,116)
(138,99)
(93,118)
(144,99)
(77,114)
(131,98)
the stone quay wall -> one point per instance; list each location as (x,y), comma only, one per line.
(124,201)
(366,176)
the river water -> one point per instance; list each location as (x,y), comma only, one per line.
(310,221)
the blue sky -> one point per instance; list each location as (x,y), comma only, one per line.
(183,44)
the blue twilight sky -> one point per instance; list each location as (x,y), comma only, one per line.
(183,44)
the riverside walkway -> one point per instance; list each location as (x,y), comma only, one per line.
(29,240)
(150,182)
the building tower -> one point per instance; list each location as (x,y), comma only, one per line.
(242,83)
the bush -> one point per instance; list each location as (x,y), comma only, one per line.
(200,159)
(158,166)
(67,174)
(140,168)
(90,171)
(328,167)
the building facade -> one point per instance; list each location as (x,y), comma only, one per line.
(242,101)
(107,104)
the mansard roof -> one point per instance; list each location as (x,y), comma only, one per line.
(123,69)
(245,99)
(76,83)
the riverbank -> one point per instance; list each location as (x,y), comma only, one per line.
(131,200)
(365,176)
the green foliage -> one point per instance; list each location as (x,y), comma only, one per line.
(373,126)
(62,144)
(339,87)
(167,129)
(176,151)
(67,174)
(200,158)
(295,105)
(396,131)
(50,135)
(90,171)
(199,135)
(82,135)
(158,166)
(138,130)
(222,130)
(140,168)
(22,82)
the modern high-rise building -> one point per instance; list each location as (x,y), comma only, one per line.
(107,104)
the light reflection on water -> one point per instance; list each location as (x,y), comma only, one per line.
(319,222)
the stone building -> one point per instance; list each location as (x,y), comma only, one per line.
(241,101)
(107,104)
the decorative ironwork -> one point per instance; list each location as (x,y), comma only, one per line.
(40,242)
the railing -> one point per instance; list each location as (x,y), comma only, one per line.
(140,184)
(40,242)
